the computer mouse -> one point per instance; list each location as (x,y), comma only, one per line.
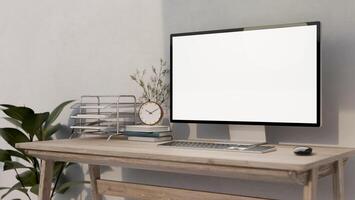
(302,151)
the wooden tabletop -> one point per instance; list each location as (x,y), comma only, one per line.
(282,159)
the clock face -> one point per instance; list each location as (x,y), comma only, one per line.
(150,113)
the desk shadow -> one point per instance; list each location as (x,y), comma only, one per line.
(74,172)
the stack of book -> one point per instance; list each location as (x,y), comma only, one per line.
(147,133)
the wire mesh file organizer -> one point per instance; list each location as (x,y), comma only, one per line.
(104,115)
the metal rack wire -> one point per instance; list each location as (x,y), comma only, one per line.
(104,114)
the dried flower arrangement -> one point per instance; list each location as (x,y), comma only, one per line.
(157,88)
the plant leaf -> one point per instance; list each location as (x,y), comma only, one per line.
(13,165)
(50,130)
(18,155)
(6,105)
(58,167)
(34,189)
(28,178)
(18,113)
(17,187)
(4,156)
(13,136)
(13,121)
(133,77)
(55,113)
(33,123)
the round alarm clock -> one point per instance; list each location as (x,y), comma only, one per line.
(150,113)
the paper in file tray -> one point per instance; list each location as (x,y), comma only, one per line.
(104,115)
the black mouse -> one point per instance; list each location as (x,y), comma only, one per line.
(302,151)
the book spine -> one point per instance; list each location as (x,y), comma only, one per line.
(147,130)
(147,134)
(149,139)
(143,134)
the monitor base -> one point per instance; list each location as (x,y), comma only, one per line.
(247,134)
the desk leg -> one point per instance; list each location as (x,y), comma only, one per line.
(45,184)
(310,189)
(338,180)
(94,171)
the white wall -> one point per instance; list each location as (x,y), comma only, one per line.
(51,51)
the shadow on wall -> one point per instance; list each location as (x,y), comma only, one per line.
(74,172)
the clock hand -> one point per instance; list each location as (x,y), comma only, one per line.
(148,111)
(155,110)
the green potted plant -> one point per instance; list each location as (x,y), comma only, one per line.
(30,126)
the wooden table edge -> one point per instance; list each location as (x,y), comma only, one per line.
(271,166)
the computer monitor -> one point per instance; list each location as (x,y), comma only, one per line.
(256,76)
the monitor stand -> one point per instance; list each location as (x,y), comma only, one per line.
(238,134)
(247,134)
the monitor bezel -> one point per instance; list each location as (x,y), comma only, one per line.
(318,121)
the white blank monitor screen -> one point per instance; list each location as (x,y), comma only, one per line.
(261,76)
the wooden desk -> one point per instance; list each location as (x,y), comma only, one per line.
(279,166)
